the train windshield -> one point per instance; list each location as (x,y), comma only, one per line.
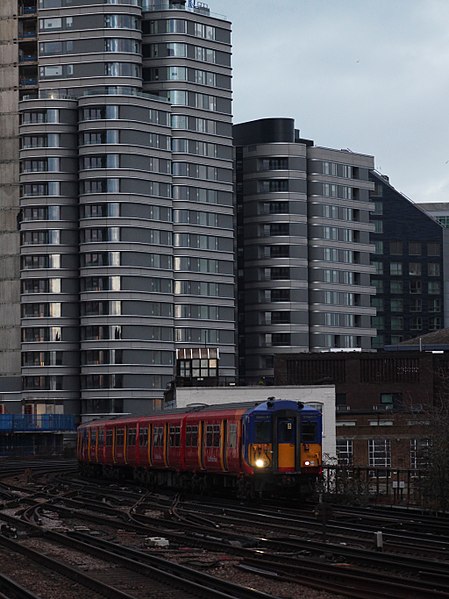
(308,432)
(263,431)
(286,430)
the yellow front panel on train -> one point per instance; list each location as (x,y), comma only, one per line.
(286,456)
(311,454)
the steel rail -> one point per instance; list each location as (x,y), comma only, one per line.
(9,589)
(144,563)
(67,571)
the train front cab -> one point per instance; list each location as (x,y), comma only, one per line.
(282,442)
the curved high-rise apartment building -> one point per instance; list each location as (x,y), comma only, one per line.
(126,250)
(187,60)
(126,204)
(49,253)
(303,246)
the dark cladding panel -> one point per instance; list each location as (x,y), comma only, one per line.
(264,131)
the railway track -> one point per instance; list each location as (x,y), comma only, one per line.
(292,553)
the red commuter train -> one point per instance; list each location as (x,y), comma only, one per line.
(252,447)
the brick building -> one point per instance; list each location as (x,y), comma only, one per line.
(384,400)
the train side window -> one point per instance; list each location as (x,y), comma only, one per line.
(263,431)
(232,435)
(210,435)
(308,432)
(192,436)
(143,437)
(119,437)
(175,436)
(158,436)
(101,436)
(93,436)
(109,438)
(132,436)
(216,436)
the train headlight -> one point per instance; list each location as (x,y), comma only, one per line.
(260,463)
(307,463)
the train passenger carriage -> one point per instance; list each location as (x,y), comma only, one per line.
(252,447)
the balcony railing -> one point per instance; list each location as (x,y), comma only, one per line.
(28,10)
(27,57)
(26,35)
(16,423)
(28,81)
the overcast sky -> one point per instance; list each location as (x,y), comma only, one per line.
(368,75)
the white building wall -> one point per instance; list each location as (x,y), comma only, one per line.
(313,394)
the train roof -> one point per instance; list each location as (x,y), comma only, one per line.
(240,407)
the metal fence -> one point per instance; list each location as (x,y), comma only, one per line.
(14,423)
(363,484)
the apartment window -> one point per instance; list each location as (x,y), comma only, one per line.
(415,287)
(435,323)
(414,269)
(416,323)
(414,248)
(377,302)
(377,322)
(331,276)
(433,249)
(330,233)
(396,248)
(397,323)
(396,287)
(396,268)
(280,339)
(331,254)
(329,168)
(434,304)
(273,185)
(276,229)
(378,284)
(280,317)
(378,208)
(345,452)
(279,273)
(273,164)
(416,305)
(55,23)
(379,247)
(279,251)
(330,211)
(420,453)
(379,453)
(378,342)
(121,22)
(379,267)
(378,226)
(397,305)
(279,295)
(433,287)
(329,190)
(433,269)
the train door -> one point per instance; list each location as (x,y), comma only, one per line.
(286,443)
(131,436)
(224,444)
(201,442)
